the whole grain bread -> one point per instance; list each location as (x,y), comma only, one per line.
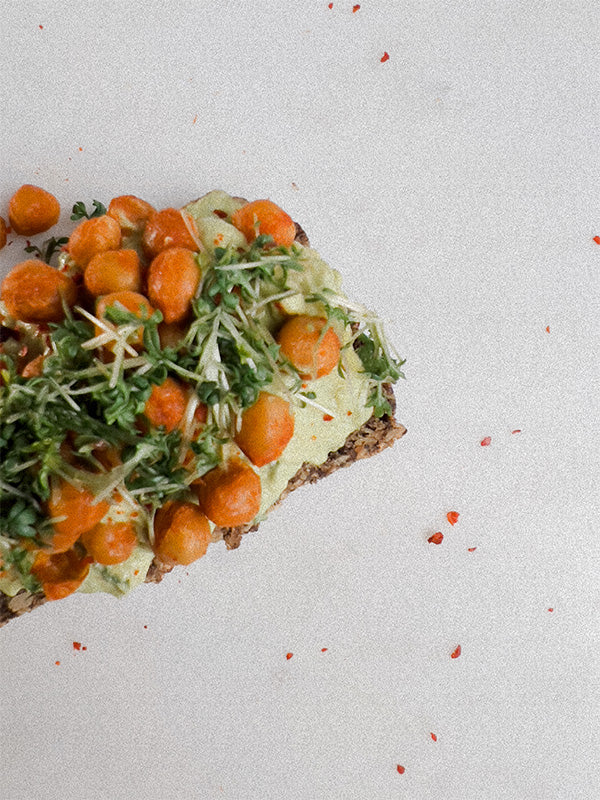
(375,435)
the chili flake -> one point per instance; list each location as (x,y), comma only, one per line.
(437,538)
(76,645)
(288,656)
(400,769)
(330,5)
(456,652)
(516,430)
(452,517)
(57,663)
(323,649)
(595,239)
(433,736)
(487,440)
(327,417)
(550,610)
(547,328)
(355,8)
(471,549)
(385,57)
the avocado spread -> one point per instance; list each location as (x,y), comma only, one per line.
(81,417)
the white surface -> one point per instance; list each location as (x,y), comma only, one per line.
(457,188)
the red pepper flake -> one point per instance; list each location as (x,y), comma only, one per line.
(330,5)
(452,517)
(327,417)
(385,57)
(471,549)
(41,27)
(323,649)
(57,663)
(84,647)
(348,413)
(516,430)
(595,239)
(437,538)
(288,656)
(486,441)
(81,149)
(550,610)
(400,769)
(195,120)
(456,652)
(76,645)
(355,8)
(433,736)
(136,572)
(145,627)
(547,328)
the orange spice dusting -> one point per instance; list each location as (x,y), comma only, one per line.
(452,517)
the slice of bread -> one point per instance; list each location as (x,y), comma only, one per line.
(375,435)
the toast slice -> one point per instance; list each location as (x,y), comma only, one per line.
(374,436)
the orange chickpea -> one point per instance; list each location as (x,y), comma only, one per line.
(60,574)
(130,212)
(93,236)
(173,278)
(34,292)
(166,404)
(113,271)
(32,210)
(267,428)
(264,217)
(79,509)
(131,301)
(230,494)
(170,227)
(171,335)
(110,542)
(3,232)
(181,533)
(300,340)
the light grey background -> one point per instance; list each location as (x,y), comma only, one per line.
(457,187)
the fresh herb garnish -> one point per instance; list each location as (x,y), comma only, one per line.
(80,211)
(48,249)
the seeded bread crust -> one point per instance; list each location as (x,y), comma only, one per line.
(377,434)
